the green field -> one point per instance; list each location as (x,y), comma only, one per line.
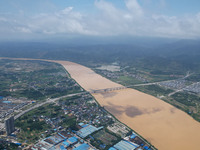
(154,90)
(35,80)
(33,124)
(104,139)
(126,80)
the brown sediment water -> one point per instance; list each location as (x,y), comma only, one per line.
(166,127)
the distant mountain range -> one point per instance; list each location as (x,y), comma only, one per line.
(155,54)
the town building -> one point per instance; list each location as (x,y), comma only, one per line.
(9,124)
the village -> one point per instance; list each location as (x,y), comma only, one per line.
(95,128)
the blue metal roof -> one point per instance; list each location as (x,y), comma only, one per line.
(62,136)
(85,125)
(133,135)
(62,147)
(66,144)
(112,148)
(87,131)
(83,146)
(125,145)
(7,102)
(73,139)
(80,124)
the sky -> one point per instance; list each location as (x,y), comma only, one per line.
(38,19)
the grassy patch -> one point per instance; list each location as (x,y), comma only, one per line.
(186,98)
(35,80)
(126,80)
(154,90)
(31,124)
(104,139)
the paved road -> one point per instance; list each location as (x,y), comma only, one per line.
(134,85)
(143,84)
(179,90)
(46,102)
(40,104)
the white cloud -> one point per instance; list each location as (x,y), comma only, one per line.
(66,10)
(109,20)
(2,19)
(198,17)
(62,22)
(134,7)
(23,30)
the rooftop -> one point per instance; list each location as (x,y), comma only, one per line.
(83,146)
(87,131)
(72,140)
(125,145)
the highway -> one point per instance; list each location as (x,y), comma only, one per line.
(179,90)
(2,126)
(46,102)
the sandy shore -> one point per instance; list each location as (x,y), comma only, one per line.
(165,126)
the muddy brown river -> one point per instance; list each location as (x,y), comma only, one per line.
(164,126)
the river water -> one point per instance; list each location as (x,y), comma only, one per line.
(165,126)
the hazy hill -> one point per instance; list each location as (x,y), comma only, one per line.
(169,56)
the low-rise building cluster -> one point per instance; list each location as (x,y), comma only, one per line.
(116,75)
(62,141)
(119,128)
(174,84)
(195,88)
(131,142)
(8,105)
(87,110)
